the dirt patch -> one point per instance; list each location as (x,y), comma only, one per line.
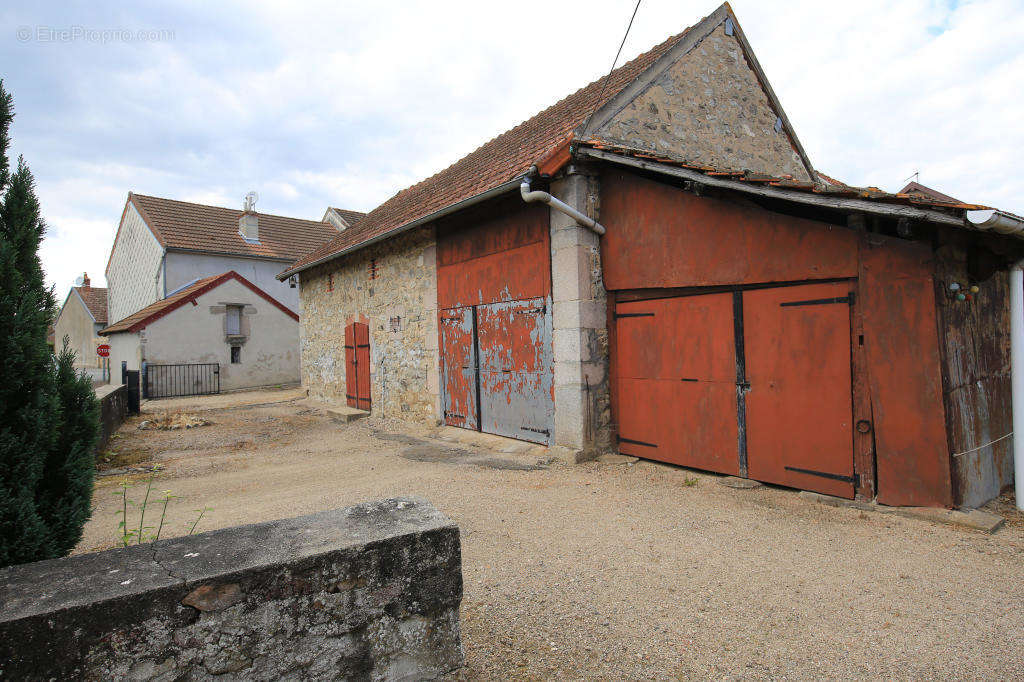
(603,571)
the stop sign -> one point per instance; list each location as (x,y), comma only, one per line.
(103,350)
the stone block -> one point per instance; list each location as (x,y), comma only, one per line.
(377,588)
(570,274)
(567,344)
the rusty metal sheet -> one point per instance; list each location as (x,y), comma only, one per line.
(799,406)
(675,367)
(665,237)
(496,253)
(904,370)
(459,397)
(516,374)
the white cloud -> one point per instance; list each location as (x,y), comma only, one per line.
(346,103)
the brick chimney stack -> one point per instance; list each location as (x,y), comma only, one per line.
(85,279)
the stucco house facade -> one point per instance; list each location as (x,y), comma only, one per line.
(162,245)
(221,333)
(653,266)
(82,316)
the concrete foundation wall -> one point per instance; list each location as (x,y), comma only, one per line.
(113,410)
(370,592)
(580,336)
(197,334)
(708,109)
(400,308)
(134,276)
(184,268)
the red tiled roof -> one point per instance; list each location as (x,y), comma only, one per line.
(95,299)
(350,217)
(917,189)
(138,320)
(198,227)
(497,162)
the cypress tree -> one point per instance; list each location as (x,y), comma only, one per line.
(44,473)
(64,495)
(28,405)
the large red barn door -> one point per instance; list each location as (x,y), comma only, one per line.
(676,374)
(357,365)
(799,406)
(459,367)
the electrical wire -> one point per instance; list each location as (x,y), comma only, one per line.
(614,61)
(991,442)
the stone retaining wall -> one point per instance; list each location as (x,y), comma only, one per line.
(367,592)
(113,411)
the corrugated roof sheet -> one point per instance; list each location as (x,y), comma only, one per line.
(213,229)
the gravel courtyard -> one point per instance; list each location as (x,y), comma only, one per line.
(639,571)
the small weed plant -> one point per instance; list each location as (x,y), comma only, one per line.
(142,533)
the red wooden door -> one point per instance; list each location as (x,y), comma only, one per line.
(676,375)
(357,365)
(459,367)
(799,406)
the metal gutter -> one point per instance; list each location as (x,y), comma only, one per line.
(837,203)
(440,213)
(996,221)
(545,198)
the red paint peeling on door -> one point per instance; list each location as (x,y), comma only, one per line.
(904,372)
(357,365)
(458,367)
(676,378)
(799,406)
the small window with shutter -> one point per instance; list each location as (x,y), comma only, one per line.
(234,313)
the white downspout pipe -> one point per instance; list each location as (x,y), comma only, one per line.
(1017,376)
(536,195)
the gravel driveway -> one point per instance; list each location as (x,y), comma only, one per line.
(620,571)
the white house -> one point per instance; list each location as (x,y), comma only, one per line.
(82,316)
(218,334)
(163,245)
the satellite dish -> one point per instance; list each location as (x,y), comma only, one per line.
(79,281)
(250,201)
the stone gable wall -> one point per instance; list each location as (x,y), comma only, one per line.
(708,109)
(403,353)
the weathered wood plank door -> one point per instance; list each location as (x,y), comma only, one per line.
(357,365)
(459,380)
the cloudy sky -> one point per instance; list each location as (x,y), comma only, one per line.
(345,103)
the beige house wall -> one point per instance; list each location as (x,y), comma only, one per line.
(400,308)
(197,334)
(77,323)
(123,348)
(134,276)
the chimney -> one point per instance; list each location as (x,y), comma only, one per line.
(249,223)
(85,279)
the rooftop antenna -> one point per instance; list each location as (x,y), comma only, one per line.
(916,177)
(250,202)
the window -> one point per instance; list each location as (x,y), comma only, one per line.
(330,282)
(234,321)
(373,268)
(236,355)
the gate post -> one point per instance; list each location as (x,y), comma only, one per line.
(580,326)
(144,377)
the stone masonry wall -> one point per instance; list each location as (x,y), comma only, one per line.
(708,109)
(579,300)
(400,307)
(370,592)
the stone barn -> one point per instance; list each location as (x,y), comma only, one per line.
(653,266)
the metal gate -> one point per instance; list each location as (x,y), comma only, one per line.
(171,381)
(753,383)
(357,365)
(496,369)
